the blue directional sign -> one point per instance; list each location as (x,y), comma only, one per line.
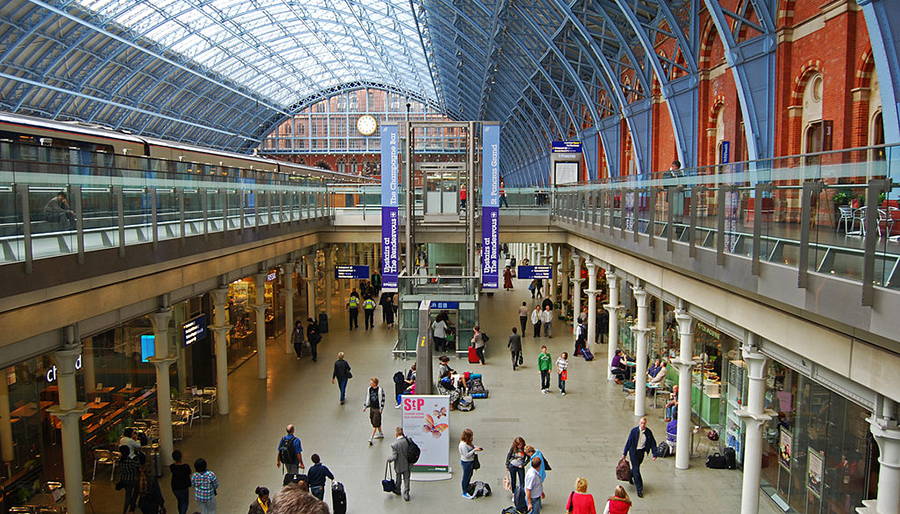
(543,272)
(347,271)
(440,306)
(194,329)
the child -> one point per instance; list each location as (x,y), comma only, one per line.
(562,367)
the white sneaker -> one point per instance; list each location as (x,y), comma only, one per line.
(397,406)
(379,435)
(563,393)
(544,391)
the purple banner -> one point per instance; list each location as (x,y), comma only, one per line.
(389,247)
(490,251)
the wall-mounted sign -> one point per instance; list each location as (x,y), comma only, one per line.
(351,272)
(271,276)
(532,272)
(725,153)
(565,147)
(439,306)
(194,329)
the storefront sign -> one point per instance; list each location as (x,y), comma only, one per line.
(351,272)
(814,470)
(785,446)
(390,202)
(532,272)
(194,330)
(271,276)
(711,332)
(426,420)
(439,306)
(565,146)
(51,373)
(490,206)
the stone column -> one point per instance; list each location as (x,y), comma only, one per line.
(554,274)
(288,271)
(885,430)
(6,436)
(592,304)
(566,272)
(684,362)
(613,309)
(576,291)
(220,328)
(162,361)
(69,412)
(87,364)
(311,286)
(329,280)
(754,415)
(260,306)
(640,330)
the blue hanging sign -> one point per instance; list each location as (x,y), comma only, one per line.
(440,306)
(532,272)
(351,272)
(490,206)
(725,153)
(565,146)
(390,212)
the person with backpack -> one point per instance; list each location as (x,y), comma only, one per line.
(369,311)
(290,453)
(400,449)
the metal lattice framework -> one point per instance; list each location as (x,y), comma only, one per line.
(223,73)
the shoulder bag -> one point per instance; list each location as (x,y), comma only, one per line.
(476,464)
(387,483)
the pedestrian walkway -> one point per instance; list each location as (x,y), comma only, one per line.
(582,434)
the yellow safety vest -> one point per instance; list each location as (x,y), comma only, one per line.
(353,302)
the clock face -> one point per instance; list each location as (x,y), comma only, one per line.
(366,125)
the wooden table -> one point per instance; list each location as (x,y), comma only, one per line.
(95,405)
(25,411)
(130,390)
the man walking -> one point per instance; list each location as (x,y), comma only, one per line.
(515,347)
(523,317)
(290,453)
(536,320)
(547,321)
(353,308)
(298,338)
(640,442)
(534,487)
(375,403)
(544,367)
(369,311)
(399,449)
(316,477)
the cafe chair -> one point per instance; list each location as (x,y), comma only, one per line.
(105,458)
(630,396)
(209,398)
(846,219)
(86,489)
(20,510)
(181,418)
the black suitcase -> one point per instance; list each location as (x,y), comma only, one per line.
(338,498)
(715,461)
(323,323)
(730,457)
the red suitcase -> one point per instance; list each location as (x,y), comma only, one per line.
(473,356)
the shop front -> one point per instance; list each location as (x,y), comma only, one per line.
(818,454)
(242,315)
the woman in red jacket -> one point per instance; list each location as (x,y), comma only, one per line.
(619,503)
(580,502)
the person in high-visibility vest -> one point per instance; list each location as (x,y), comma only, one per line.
(353,308)
(369,310)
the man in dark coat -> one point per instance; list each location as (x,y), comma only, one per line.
(640,442)
(399,449)
(515,347)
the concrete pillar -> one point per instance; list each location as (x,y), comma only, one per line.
(576,290)
(220,328)
(754,416)
(566,272)
(162,361)
(69,412)
(592,304)
(329,280)
(640,329)
(684,362)
(87,366)
(288,271)
(554,275)
(311,286)
(885,430)
(613,309)
(6,437)
(260,306)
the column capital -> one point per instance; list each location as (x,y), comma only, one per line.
(66,414)
(747,416)
(223,328)
(611,308)
(641,296)
(165,362)
(681,361)
(220,295)
(577,280)
(66,358)
(612,280)
(591,267)
(160,320)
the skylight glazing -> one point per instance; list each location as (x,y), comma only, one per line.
(285,50)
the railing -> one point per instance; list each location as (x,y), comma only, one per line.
(831,212)
(113,207)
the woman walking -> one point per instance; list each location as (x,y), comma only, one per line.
(562,371)
(262,504)
(298,338)
(478,343)
(128,478)
(181,481)
(580,502)
(150,498)
(467,457)
(205,484)
(515,463)
(618,503)
(342,374)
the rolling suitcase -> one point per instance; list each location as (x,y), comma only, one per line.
(323,323)
(473,356)
(338,498)
(588,356)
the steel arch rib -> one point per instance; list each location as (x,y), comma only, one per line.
(883,22)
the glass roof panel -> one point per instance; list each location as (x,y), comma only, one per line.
(285,50)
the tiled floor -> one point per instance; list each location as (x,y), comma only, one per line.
(582,434)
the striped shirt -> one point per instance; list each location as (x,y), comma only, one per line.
(205,485)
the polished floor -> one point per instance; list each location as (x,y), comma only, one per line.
(582,434)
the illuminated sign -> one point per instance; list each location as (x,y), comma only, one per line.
(194,330)
(51,373)
(438,306)
(351,272)
(530,272)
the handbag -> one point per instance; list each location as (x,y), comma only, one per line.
(349,375)
(569,505)
(507,484)
(476,464)
(623,470)
(388,483)
(521,359)
(564,375)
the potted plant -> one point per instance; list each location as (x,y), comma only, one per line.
(841,197)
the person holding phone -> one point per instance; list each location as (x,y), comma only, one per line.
(467,457)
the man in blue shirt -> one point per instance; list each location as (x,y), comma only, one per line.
(290,453)
(316,477)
